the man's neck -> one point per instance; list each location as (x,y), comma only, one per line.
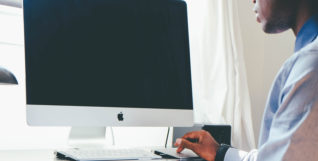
(305,11)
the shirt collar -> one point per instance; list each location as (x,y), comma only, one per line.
(307,33)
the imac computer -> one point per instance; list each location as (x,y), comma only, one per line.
(98,63)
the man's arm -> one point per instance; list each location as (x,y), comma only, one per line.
(207,148)
(292,134)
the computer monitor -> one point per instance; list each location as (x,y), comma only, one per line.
(107,63)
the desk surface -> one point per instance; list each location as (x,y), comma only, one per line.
(39,155)
(28,155)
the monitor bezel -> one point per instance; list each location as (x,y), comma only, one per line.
(92,116)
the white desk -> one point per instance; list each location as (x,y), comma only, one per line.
(27,155)
(45,155)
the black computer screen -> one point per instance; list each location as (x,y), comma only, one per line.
(117,53)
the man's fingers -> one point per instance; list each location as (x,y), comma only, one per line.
(179,150)
(187,144)
(193,135)
(178,144)
(183,143)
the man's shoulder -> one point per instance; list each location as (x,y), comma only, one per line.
(302,63)
(307,58)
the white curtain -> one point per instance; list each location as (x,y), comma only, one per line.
(219,78)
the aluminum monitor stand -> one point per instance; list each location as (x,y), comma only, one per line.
(87,137)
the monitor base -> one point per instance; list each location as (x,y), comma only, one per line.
(87,137)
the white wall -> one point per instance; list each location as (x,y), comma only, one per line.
(264,54)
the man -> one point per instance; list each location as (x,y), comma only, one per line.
(290,122)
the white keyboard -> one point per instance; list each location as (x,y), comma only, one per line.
(105,154)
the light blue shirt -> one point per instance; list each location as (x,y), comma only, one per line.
(290,122)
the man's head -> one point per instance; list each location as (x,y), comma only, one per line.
(276,15)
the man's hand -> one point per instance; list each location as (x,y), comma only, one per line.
(205,147)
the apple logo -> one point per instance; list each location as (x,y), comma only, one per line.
(120,116)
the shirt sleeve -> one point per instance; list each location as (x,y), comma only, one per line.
(233,154)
